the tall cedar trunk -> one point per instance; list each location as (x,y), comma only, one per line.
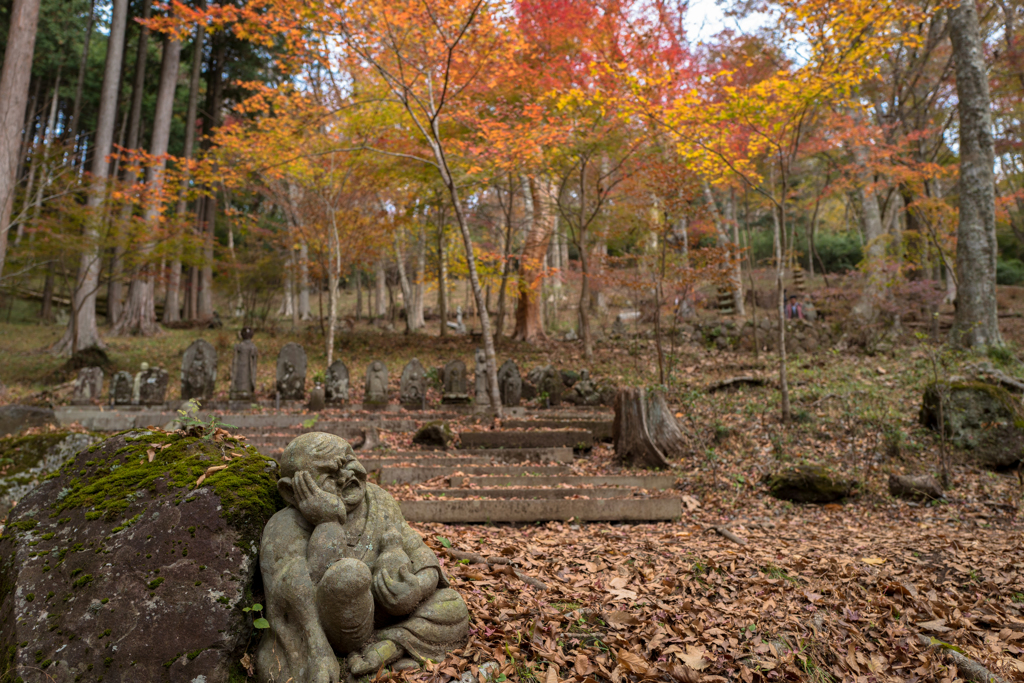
(172,306)
(82,330)
(418,323)
(115,290)
(529,326)
(403,283)
(583,305)
(14,83)
(333,275)
(874,230)
(976,322)
(736,275)
(83,62)
(207,219)
(380,278)
(140,314)
(634,444)
(302,311)
(779,225)
(442,281)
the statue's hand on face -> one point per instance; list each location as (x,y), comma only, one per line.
(315,504)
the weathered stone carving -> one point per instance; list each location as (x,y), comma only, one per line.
(510,383)
(375,393)
(548,383)
(349,585)
(121,388)
(481,397)
(243,368)
(454,383)
(412,390)
(150,386)
(88,386)
(291,372)
(198,371)
(584,391)
(336,386)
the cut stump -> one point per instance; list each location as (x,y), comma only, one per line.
(635,441)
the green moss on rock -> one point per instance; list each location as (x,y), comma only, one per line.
(809,484)
(985,419)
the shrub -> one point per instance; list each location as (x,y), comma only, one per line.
(1009,272)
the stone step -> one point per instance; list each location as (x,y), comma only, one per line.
(647,481)
(484,511)
(390,476)
(425,459)
(576,439)
(622,492)
(601,430)
(492,456)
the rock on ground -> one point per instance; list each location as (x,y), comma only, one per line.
(122,567)
(985,419)
(809,484)
(435,434)
(14,419)
(26,460)
(914,487)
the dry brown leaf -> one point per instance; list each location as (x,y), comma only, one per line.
(631,662)
(551,676)
(620,618)
(150,453)
(215,468)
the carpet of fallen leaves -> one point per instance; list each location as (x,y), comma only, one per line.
(869,589)
(817,593)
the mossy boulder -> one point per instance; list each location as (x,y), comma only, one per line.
(126,566)
(14,419)
(984,419)
(434,435)
(810,484)
(26,460)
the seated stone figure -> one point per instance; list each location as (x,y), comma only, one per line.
(345,575)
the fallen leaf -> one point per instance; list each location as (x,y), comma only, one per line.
(936,625)
(631,662)
(200,480)
(873,560)
(620,618)
(552,674)
(694,658)
(150,454)
(216,468)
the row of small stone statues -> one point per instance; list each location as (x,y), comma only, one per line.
(199,375)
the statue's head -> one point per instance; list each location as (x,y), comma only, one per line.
(331,461)
(246,333)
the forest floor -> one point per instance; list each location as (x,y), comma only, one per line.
(818,593)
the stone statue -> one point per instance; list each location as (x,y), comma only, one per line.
(482,398)
(412,386)
(336,386)
(88,386)
(198,371)
(150,387)
(291,372)
(349,584)
(375,394)
(454,383)
(243,368)
(510,383)
(548,382)
(137,382)
(584,392)
(121,385)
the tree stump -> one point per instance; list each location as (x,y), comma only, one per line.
(641,438)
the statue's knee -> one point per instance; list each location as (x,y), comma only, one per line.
(347,577)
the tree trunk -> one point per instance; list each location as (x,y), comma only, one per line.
(529,326)
(172,307)
(779,224)
(416,313)
(214,102)
(140,316)
(442,281)
(82,330)
(874,231)
(737,269)
(662,426)
(115,290)
(976,322)
(403,283)
(303,308)
(83,62)
(14,84)
(380,307)
(634,444)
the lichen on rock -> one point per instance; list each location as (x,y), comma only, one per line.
(810,484)
(27,460)
(137,572)
(984,419)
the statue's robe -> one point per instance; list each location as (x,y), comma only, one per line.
(438,624)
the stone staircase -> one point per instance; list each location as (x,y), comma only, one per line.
(521,473)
